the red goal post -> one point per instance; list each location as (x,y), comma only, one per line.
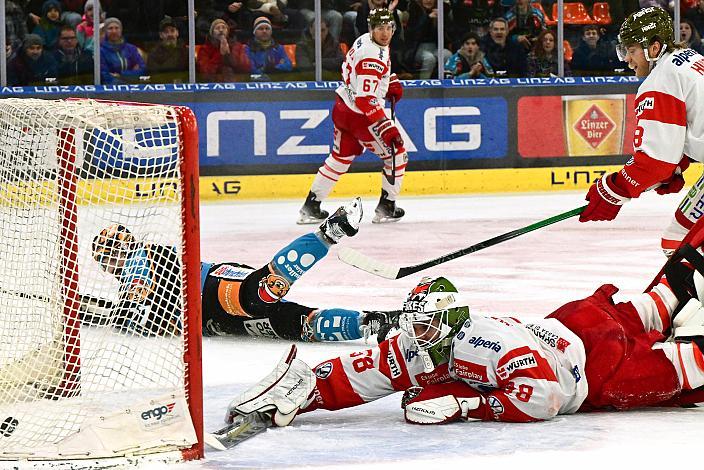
(78,380)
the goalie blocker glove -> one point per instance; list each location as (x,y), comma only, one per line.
(605,198)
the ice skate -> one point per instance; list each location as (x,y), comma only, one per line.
(345,221)
(311,213)
(386,210)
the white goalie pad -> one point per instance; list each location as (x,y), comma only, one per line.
(283,391)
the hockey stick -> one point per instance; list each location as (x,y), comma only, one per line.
(92,310)
(694,238)
(392,178)
(365,263)
(241,429)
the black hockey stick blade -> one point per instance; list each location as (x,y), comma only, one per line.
(381,269)
(240,430)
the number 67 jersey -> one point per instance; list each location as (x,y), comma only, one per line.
(365,76)
(525,372)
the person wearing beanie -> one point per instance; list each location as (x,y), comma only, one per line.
(32,65)
(220,58)
(265,54)
(49,24)
(84,30)
(170,55)
(120,61)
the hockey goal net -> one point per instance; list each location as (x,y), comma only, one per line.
(82,375)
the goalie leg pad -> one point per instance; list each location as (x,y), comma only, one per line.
(281,393)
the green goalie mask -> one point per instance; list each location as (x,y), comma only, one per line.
(643,27)
(432,315)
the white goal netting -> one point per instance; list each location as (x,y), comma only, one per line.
(94,362)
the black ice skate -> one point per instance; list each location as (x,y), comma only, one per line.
(311,213)
(345,221)
(379,324)
(386,210)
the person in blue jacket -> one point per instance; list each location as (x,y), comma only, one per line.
(265,54)
(120,61)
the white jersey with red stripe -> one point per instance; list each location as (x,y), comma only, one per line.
(669,109)
(525,372)
(365,77)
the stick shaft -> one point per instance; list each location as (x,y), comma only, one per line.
(403,272)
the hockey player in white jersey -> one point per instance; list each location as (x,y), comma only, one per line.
(360,122)
(669,109)
(589,354)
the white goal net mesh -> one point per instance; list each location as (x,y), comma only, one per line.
(93,324)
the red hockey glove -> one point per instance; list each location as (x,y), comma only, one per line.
(388,132)
(439,403)
(605,200)
(395,89)
(674,183)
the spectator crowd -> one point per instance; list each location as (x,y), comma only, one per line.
(52,41)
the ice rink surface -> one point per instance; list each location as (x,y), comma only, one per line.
(526,277)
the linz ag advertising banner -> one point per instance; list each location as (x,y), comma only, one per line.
(290,132)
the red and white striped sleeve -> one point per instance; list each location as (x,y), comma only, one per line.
(362,376)
(528,389)
(661,127)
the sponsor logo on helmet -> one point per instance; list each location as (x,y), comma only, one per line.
(323,371)
(470,371)
(479,342)
(526,361)
(648,27)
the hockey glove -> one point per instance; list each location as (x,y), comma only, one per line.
(389,133)
(440,403)
(675,182)
(605,199)
(280,394)
(395,91)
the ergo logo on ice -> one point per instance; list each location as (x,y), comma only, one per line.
(469,135)
(158,412)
